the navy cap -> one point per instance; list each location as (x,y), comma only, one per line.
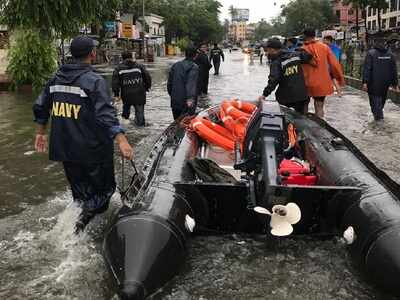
(274,44)
(82,45)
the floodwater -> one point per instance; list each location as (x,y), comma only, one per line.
(42,259)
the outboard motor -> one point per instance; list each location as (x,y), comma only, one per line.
(263,149)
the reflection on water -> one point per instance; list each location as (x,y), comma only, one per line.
(43,260)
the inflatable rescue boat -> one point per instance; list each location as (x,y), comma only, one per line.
(239,167)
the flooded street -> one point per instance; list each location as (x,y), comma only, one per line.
(41,258)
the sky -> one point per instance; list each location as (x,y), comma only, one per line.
(258,8)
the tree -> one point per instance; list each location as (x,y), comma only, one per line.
(197,20)
(263,30)
(63,18)
(300,14)
(358,5)
(41,22)
(32,59)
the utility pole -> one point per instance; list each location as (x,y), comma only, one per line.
(144,34)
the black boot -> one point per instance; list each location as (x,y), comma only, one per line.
(84,218)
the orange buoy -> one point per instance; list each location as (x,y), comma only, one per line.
(218,128)
(232,111)
(246,107)
(210,135)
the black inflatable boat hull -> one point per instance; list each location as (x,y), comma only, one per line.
(145,247)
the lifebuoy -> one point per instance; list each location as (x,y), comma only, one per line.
(219,129)
(210,135)
(232,111)
(246,107)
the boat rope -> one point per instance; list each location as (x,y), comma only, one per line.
(134,186)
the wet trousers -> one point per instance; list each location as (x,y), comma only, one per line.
(92,185)
(377,104)
(139,113)
(217,64)
(202,84)
(181,111)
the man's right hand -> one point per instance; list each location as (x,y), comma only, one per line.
(124,147)
(261,98)
(189,103)
(365,87)
(41,143)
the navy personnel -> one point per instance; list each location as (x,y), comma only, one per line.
(204,70)
(215,56)
(131,81)
(182,85)
(380,72)
(83,128)
(286,72)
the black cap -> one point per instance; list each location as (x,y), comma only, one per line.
(82,45)
(127,55)
(274,44)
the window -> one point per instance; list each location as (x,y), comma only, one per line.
(369,11)
(338,14)
(369,25)
(351,12)
(374,25)
(392,22)
(384,21)
(393,5)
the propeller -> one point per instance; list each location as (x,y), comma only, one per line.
(282,218)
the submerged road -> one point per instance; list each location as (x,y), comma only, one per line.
(42,259)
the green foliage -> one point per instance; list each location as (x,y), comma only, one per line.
(32,59)
(195,19)
(183,43)
(63,17)
(264,30)
(300,14)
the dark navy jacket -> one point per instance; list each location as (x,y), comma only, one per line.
(216,54)
(286,71)
(83,120)
(380,71)
(131,80)
(182,83)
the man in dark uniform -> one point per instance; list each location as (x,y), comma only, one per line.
(204,70)
(215,56)
(131,80)
(286,71)
(182,85)
(380,72)
(83,127)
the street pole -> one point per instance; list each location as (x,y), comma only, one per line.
(144,35)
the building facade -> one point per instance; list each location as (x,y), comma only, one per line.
(390,17)
(155,33)
(250,31)
(238,31)
(346,15)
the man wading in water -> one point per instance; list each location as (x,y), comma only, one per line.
(83,127)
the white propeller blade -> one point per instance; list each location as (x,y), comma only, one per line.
(282,218)
(293,215)
(262,210)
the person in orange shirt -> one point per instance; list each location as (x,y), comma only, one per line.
(317,76)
